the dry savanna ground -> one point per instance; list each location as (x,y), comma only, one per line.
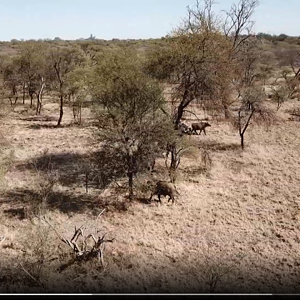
(234,229)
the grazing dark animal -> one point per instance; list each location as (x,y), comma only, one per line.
(199,126)
(164,188)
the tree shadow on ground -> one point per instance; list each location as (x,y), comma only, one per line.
(26,202)
(38,118)
(218,146)
(195,170)
(97,169)
(69,166)
(52,126)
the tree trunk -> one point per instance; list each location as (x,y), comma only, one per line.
(130,175)
(242,140)
(41,95)
(79,113)
(24,91)
(38,103)
(174,162)
(61,109)
(86,182)
(16,100)
(31,99)
(226,113)
(130,184)
(179,114)
(183,104)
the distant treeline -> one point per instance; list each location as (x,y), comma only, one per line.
(92,39)
(261,35)
(279,38)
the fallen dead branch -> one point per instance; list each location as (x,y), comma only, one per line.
(83,251)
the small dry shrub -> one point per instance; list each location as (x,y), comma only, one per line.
(6,160)
(43,185)
(206,162)
(219,268)
(40,254)
(295,112)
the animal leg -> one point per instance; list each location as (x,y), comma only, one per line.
(150,198)
(159,198)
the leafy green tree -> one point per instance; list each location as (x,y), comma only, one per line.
(77,89)
(12,80)
(195,64)
(35,70)
(132,124)
(200,58)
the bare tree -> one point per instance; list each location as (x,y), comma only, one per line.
(238,24)
(175,150)
(251,111)
(64,61)
(280,94)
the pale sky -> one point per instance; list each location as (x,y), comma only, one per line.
(108,19)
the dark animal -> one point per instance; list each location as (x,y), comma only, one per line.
(164,188)
(199,126)
(184,129)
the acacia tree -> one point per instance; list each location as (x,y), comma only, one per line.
(280,94)
(77,90)
(180,146)
(12,81)
(290,59)
(131,122)
(266,66)
(90,49)
(199,59)
(238,25)
(246,72)
(35,70)
(194,61)
(64,61)
(252,111)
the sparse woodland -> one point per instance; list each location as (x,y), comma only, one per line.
(89,127)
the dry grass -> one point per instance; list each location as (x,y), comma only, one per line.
(233,229)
